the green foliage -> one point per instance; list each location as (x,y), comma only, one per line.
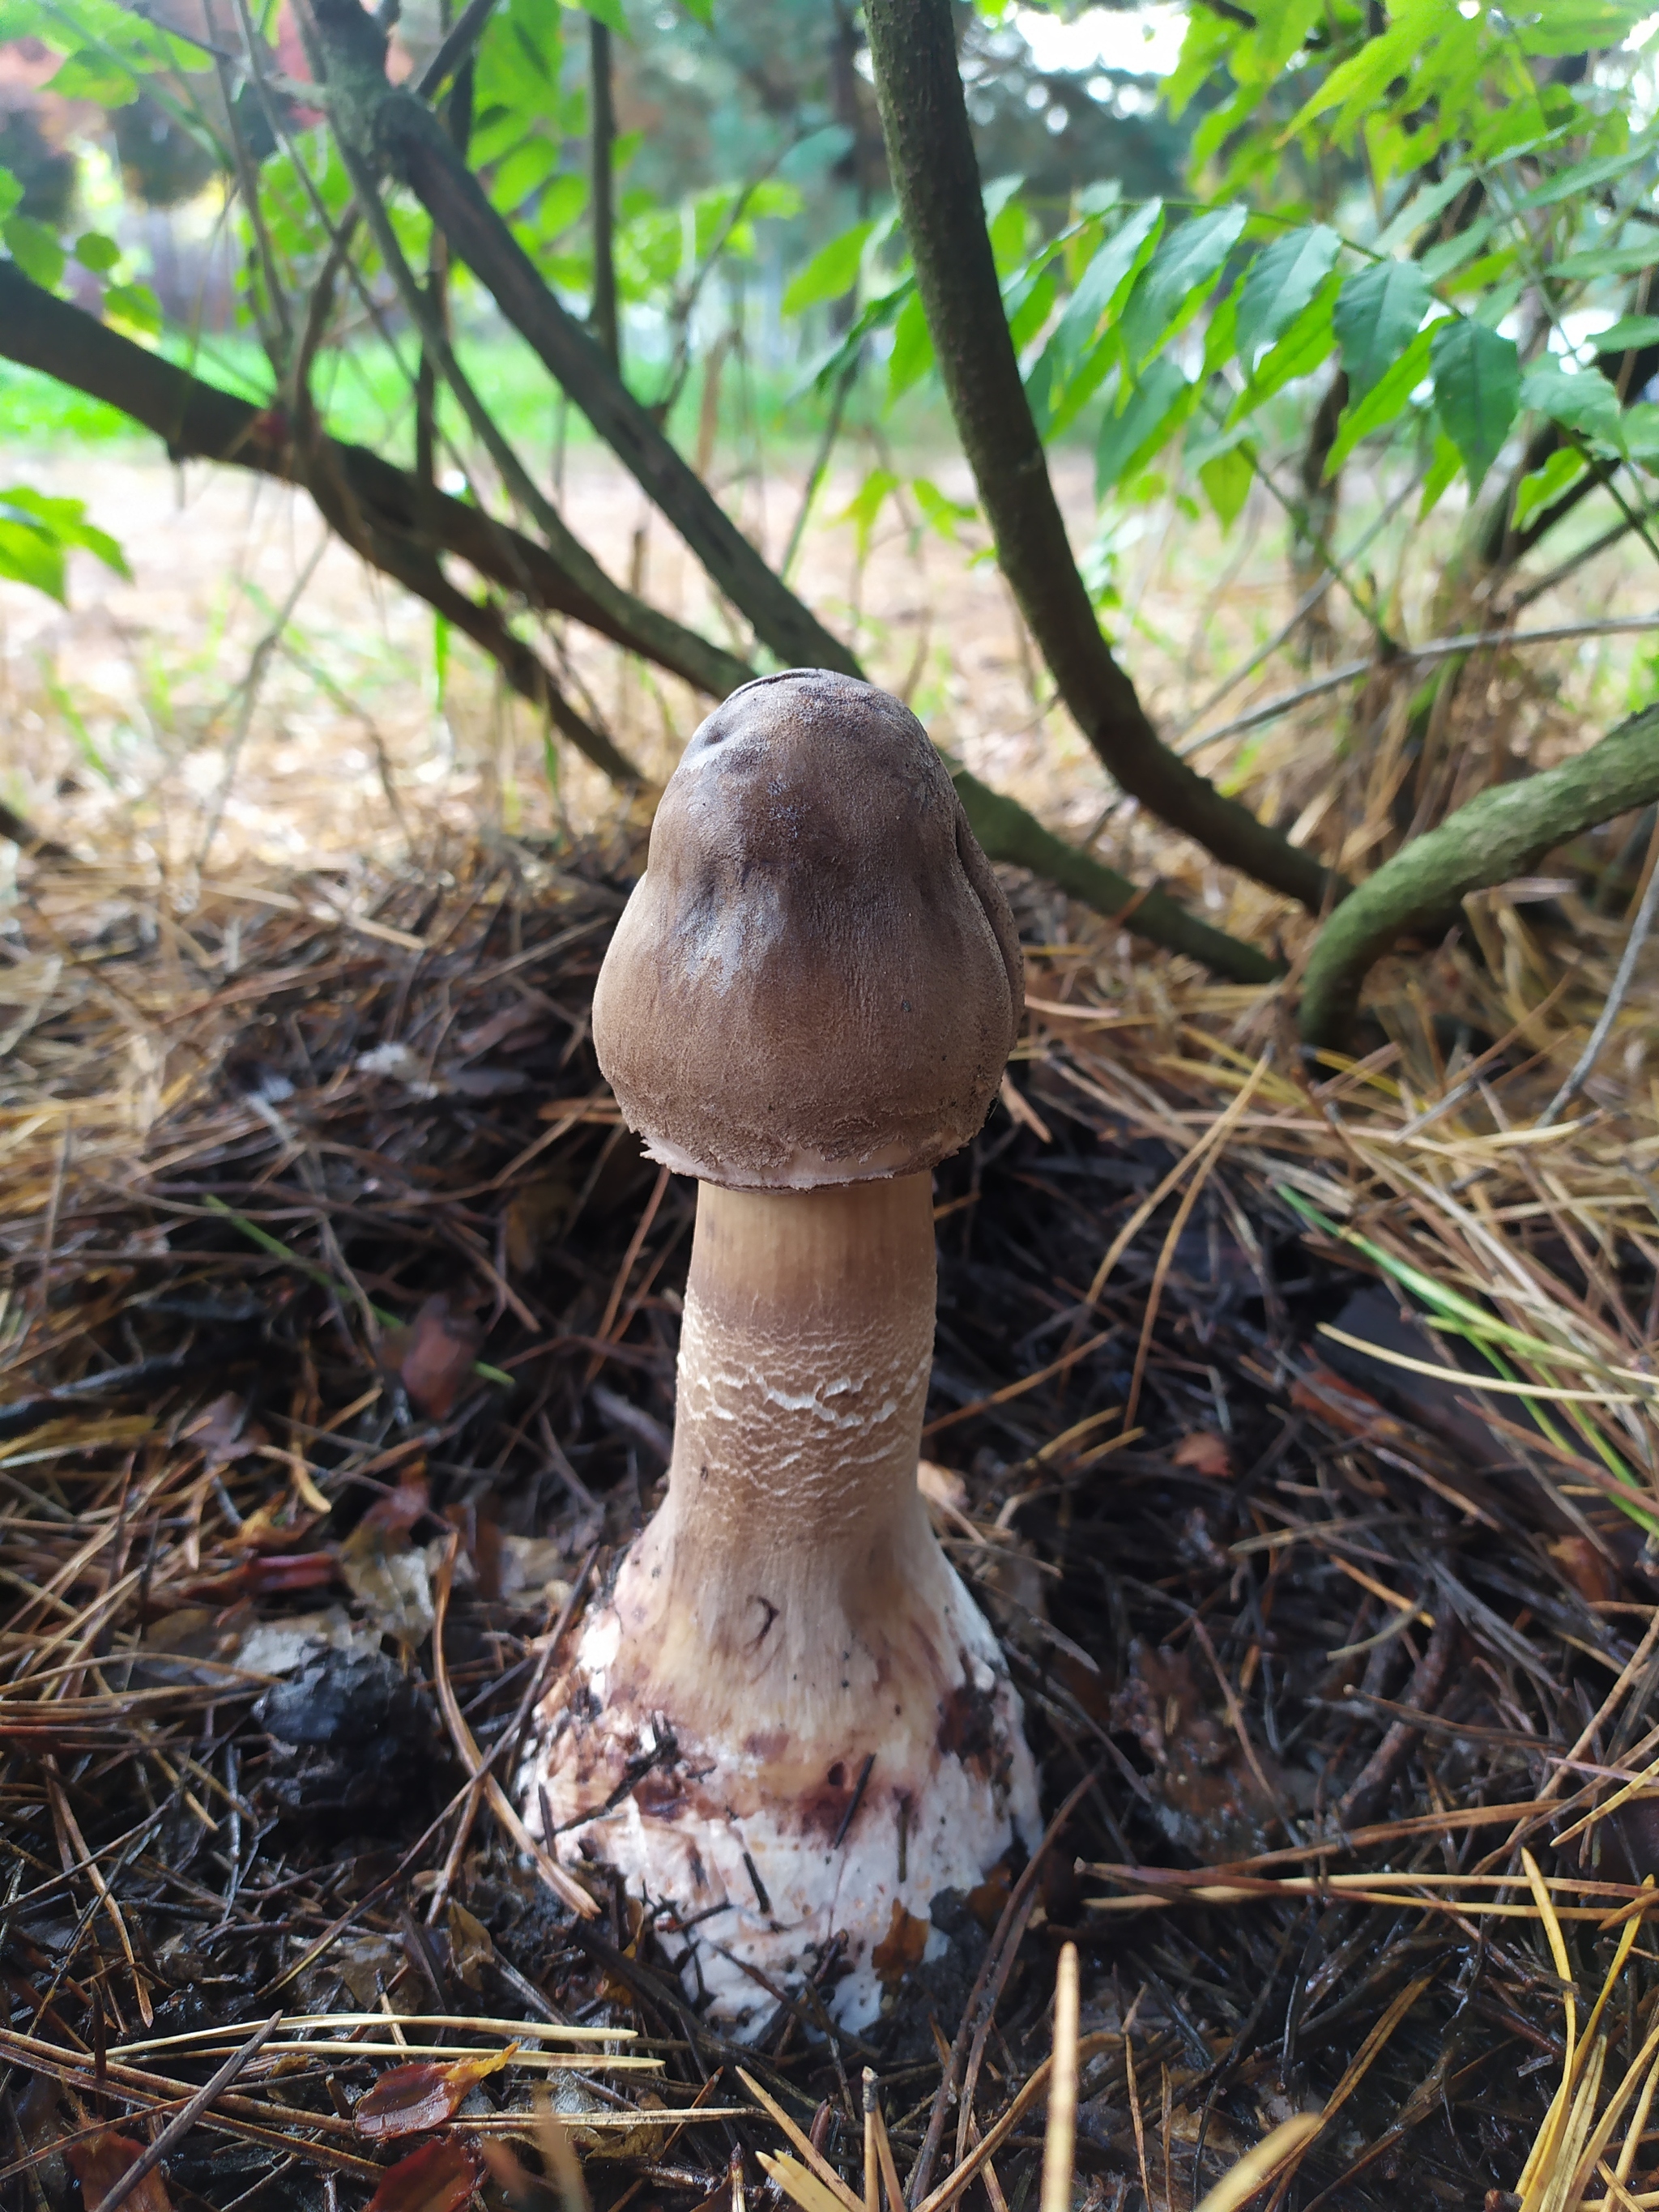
(831,273)
(1477,388)
(37,533)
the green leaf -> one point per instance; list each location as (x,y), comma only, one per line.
(1110,270)
(1028,306)
(941,515)
(1477,391)
(1177,280)
(29,555)
(10,192)
(95,252)
(34,249)
(1298,353)
(1629,332)
(1443,468)
(1377,316)
(1360,82)
(1226,479)
(1584,176)
(1282,279)
(96,76)
(1281,27)
(607,12)
(866,503)
(912,348)
(1576,26)
(1545,486)
(1005,228)
(1384,403)
(1585,401)
(134,305)
(1156,408)
(701,11)
(832,271)
(1453,252)
(1638,432)
(64,520)
(1421,208)
(1608,261)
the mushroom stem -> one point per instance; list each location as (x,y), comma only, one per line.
(790,1716)
(792,1496)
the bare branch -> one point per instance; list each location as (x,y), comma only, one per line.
(930,151)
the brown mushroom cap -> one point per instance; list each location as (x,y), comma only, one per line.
(818,978)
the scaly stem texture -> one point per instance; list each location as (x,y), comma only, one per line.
(1499,835)
(930,151)
(793,1525)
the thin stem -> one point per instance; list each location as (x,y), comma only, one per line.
(602,139)
(1585,1063)
(1439,648)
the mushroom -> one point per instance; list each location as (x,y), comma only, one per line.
(788,1722)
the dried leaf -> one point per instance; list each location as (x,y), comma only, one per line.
(221,1433)
(1207,1454)
(986,1901)
(409,2099)
(275,1526)
(440,2177)
(899,1950)
(400,1508)
(434,1355)
(516,1028)
(1591,1574)
(1341,1404)
(99,2163)
(533,1213)
(940,1486)
(470,1948)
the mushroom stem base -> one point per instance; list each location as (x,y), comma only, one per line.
(772,1884)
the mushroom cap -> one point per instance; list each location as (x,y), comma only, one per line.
(817,979)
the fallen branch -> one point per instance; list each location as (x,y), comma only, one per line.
(930,150)
(1500,835)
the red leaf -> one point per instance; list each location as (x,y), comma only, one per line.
(440,2177)
(1205,1453)
(1585,1568)
(99,2162)
(291,1571)
(434,1355)
(409,2099)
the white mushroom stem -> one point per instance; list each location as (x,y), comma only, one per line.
(793,1523)
(833,1728)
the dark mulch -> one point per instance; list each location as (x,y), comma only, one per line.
(401,1163)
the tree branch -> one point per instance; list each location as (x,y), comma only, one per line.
(198,420)
(384,124)
(1501,833)
(1009,833)
(930,152)
(401,526)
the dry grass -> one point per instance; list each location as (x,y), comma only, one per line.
(332,1274)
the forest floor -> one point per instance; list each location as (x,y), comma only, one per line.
(1290,1422)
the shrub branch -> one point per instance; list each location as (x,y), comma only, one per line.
(930,151)
(1501,833)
